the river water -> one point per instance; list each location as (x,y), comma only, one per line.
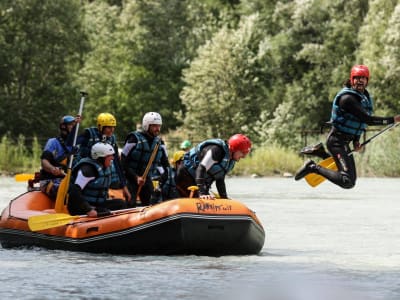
(321,243)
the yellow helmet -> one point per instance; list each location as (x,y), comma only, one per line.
(105,119)
(178,155)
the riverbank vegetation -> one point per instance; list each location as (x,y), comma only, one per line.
(380,158)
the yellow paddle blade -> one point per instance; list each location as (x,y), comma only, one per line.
(24,177)
(62,192)
(315,179)
(42,222)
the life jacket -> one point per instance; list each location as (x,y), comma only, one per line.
(168,187)
(138,158)
(96,191)
(346,122)
(191,161)
(94,137)
(60,153)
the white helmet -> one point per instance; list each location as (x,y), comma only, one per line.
(151,118)
(101,150)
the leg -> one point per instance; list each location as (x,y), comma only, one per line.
(346,175)
(317,150)
(183,181)
(115,204)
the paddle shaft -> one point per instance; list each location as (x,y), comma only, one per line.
(63,187)
(379,133)
(71,157)
(374,136)
(146,171)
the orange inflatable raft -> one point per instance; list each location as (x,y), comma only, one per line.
(180,226)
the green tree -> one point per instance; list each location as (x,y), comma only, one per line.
(379,44)
(311,56)
(41,45)
(151,42)
(223,93)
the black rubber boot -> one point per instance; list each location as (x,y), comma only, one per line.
(308,167)
(317,150)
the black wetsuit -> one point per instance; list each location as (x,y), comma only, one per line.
(338,143)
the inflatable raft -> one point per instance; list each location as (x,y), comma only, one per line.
(181,226)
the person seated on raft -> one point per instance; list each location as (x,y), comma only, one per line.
(104,132)
(90,181)
(54,158)
(169,190)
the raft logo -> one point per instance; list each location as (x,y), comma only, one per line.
(204,206)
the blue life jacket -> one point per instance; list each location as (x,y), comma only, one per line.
(346,122)
(96,191)
(59,150)
(95,137)
(191,161)
(138,158)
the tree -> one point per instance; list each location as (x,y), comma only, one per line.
(151,42)
(223,93)
(312,54)
(41,44)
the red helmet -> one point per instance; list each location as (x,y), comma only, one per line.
(239,142)
(359,70)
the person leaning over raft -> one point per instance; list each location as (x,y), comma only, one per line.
(210,161)
(90,181)
(54,158)
(104,132)
(351,113)
(138,148)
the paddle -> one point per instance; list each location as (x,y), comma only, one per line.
(24,177)
(42,222)
(64,184)
(329,163)
(146,172)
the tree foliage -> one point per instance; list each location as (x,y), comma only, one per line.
(41,45)
(222,92)
(269,69)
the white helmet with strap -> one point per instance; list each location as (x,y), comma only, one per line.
(151,118)
(101,150)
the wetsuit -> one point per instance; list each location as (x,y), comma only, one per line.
(338,142)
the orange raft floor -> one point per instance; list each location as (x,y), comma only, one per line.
(180,226)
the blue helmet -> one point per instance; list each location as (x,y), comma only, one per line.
(66,120)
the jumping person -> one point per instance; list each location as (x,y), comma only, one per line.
(136,154)
(91,179)
(210,161)
(54,158)
(351,113)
